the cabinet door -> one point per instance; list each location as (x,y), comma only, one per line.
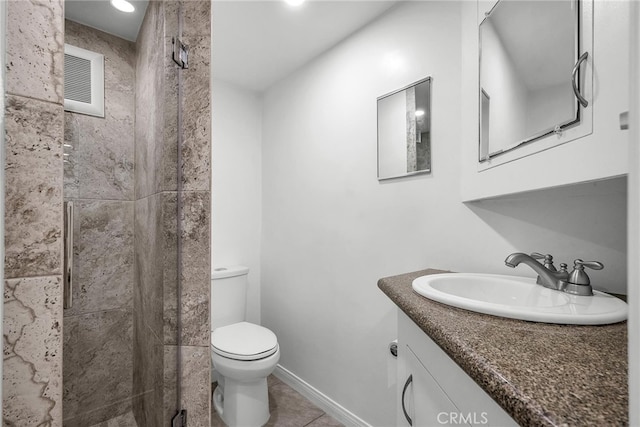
(422,400)
(473,406)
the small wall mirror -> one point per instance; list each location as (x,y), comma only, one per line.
(404,131)
(529,73)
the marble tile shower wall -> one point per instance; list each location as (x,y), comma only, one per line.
(99,179)
(106,198)
(156,189)
(34,119)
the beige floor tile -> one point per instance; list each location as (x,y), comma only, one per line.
(324,421)
(288,409)
(124,420)
(215,419)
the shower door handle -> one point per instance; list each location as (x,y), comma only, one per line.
(67,278)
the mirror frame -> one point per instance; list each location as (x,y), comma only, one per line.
(428,79)
(558,129)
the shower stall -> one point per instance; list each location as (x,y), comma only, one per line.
(107,215)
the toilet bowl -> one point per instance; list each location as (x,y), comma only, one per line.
(243,354)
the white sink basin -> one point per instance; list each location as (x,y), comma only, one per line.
(520,298)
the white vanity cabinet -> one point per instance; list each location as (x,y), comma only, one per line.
(433,390)
(594,149)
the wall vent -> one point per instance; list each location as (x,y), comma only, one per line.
(83,81)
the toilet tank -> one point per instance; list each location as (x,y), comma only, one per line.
(228,295)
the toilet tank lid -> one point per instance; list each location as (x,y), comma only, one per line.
(230,271)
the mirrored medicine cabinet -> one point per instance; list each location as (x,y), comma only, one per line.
(404,131)
(532,78)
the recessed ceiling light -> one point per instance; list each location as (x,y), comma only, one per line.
(123,5)
(294,2)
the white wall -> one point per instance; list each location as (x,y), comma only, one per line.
(634,216)
(236,204)
(331,230)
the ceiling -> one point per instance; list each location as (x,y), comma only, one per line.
(255,43)
(101,15)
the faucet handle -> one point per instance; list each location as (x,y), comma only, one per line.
(578,276)
(548,260)
(594,265)
(578,282)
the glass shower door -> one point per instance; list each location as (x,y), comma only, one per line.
(99,270)
(136,337)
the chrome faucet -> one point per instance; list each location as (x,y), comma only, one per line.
(576,283)
(548,278)
(548,264)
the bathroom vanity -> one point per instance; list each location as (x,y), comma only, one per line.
(467,368)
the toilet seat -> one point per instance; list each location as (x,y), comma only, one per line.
(244,341)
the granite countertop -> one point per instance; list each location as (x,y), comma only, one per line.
(540,374)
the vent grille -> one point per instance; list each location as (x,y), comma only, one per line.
(83,81)
(77,78)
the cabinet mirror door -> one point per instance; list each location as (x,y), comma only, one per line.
(530,66)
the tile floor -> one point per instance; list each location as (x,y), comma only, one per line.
(288,409)
(124,420)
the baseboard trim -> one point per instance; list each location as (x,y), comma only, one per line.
(321,400)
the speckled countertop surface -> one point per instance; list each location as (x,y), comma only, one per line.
(541,374)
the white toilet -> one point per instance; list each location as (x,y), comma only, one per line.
(243,353)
